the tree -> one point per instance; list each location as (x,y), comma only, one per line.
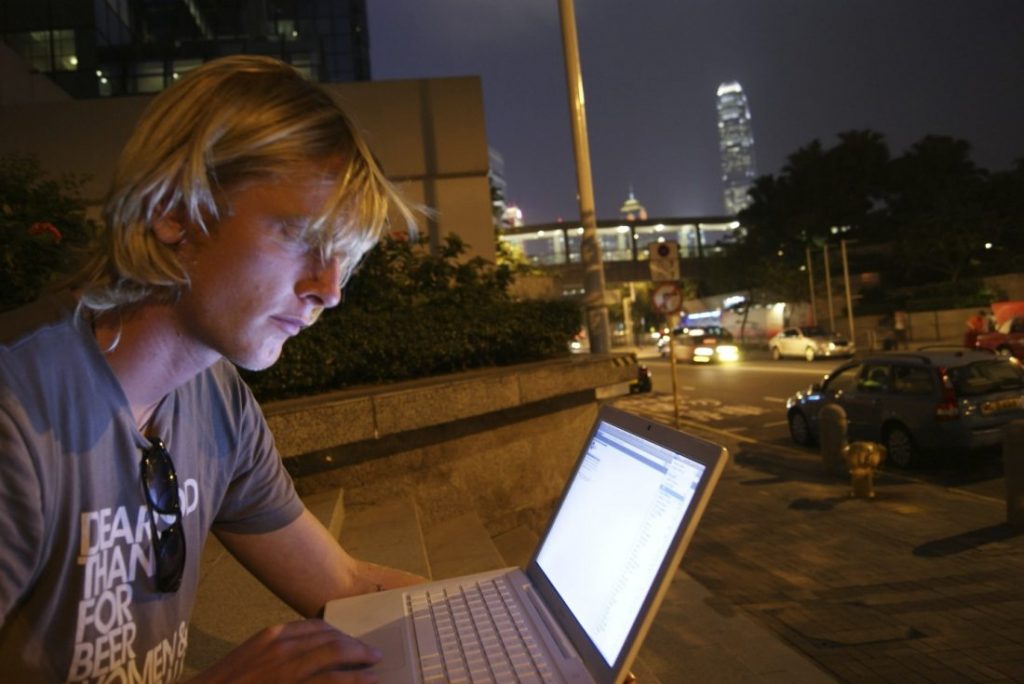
(818,190)
(1003,202)
(42,228)
(937,208)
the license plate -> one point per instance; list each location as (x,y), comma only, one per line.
(1000,405)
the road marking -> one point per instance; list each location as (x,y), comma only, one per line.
(775,399)
(776,424)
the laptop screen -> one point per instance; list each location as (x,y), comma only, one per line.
(617,522)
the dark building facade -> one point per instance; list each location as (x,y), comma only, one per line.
(98,48)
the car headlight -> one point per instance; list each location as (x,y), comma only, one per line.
(728,352)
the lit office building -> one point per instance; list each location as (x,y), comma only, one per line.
(134,47)
(736,143)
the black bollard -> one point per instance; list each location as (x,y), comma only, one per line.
(832,437)
(1013,472)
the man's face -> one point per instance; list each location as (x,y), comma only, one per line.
(254,283)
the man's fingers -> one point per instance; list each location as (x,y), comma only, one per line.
(303,651)
(316,648)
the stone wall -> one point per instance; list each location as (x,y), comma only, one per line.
(499,442)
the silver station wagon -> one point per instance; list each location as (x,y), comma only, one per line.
(917,403)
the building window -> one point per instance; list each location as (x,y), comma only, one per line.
(183,66)
(286,29)
(149,77)
(47,51)
(304,66)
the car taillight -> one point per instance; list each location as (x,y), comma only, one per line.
(947,409)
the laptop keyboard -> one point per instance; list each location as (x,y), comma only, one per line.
(476,633)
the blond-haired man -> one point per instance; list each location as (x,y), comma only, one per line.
(240,206)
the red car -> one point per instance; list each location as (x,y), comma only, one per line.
(1007,339)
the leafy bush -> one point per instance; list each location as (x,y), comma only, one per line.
(42,226)
(408,314)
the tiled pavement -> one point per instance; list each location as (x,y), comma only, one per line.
(921,584)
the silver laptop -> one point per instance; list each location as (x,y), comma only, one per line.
(580,610)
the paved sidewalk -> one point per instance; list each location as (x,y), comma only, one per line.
(921,584)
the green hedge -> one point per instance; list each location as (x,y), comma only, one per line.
(408,314)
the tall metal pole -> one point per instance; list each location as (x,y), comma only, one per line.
(849,297)
(810,285)
(828,290)
(590,247)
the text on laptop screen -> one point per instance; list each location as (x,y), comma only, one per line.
(619,517)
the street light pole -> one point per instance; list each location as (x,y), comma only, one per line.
(828,290)
(810,285)
(590,247)
(849,297)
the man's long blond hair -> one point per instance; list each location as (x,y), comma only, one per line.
(231,120)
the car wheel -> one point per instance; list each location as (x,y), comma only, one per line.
(776,353)
(809,353)
(799,430)
(899,447)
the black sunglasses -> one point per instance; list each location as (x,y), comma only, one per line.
(160,483)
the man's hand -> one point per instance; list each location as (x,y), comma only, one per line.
(303,651)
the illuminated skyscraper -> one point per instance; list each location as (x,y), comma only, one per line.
(736,143)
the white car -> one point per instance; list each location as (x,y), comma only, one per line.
(809,342)
(710,344)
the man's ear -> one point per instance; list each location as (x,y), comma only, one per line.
(170,228)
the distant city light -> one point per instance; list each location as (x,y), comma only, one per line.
(988,245)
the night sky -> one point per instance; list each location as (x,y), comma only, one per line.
(810,68)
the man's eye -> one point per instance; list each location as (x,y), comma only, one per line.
(291,231)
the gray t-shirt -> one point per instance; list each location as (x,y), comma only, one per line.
(78,600)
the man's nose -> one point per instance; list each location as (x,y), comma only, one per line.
(325,284)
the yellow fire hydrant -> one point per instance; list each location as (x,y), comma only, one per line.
(862,460)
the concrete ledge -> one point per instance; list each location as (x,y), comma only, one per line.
(312,424)
(497,442)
